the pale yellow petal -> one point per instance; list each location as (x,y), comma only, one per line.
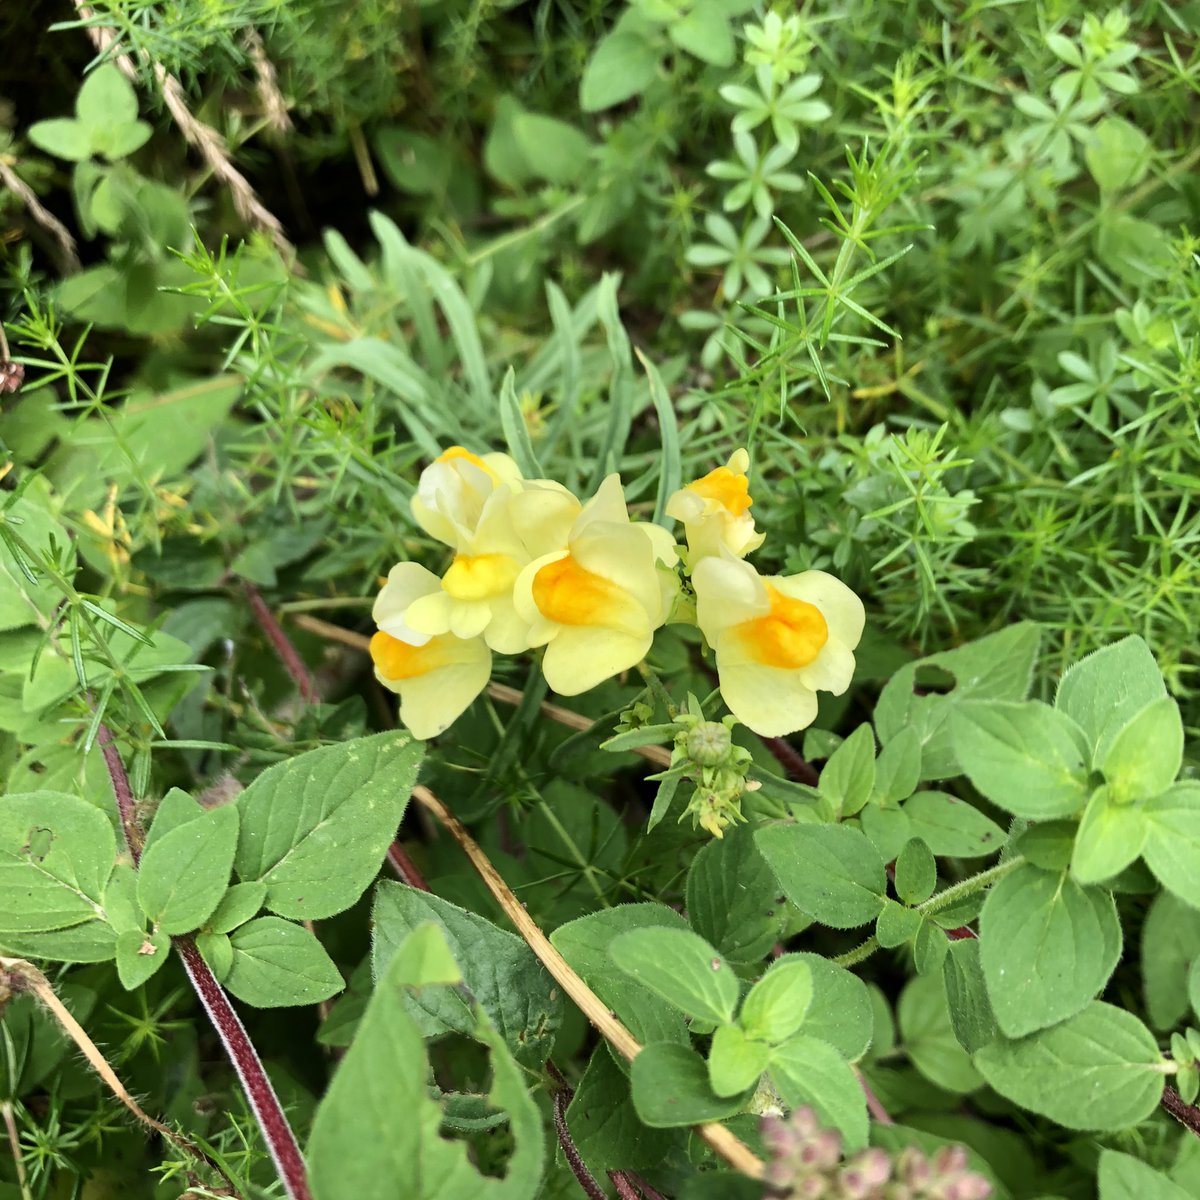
(542,517)
(728,592)
(507,632)
(523,600)
(623,555)
(832,670)
(406,582)
(469,619)
(607,505)
(429,615)
(430,703)
(580,657)
(770,701)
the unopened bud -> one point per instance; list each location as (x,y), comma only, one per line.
(709,744)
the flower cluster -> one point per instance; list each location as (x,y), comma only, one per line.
(806,1164)
(534,566)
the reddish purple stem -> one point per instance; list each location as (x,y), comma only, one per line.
(264,1103)
(1186,1114)
(291,660)
(405,868)
(126,807)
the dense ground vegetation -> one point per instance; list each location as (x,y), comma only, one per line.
(936,265)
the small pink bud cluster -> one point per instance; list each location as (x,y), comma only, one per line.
(806,1164)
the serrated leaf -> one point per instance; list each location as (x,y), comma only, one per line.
(315,828)
(503,976)
(1047,947)
(1101,1070)
(359,1150)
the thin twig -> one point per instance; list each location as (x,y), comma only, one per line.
(658,755)
(874,1104)
(205,138)
(726,1144)
(579,1168)
(405,868)
(624,1186)
(789,758)
(268,1112)
(126,806)
(21,976)
(274,106)
(14,1144)
(43,216)
(292,662)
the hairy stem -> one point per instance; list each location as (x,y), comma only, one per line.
(268,1112)
(288,655)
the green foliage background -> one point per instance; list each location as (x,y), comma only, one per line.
(936,264)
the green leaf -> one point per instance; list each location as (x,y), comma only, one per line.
(1117,154)
(996,667)
(584,944)
(23,601)
(1025,757)
(831,873)
(950,827)
(1145,756)
(705,33)
(553,150)
(807,1070)
(621,66)
(887,828)
(120,900)
(237,906)
(897,925)
(139,956)
(777,1005)
(916,872)
(1047,844)
(732,900)
(1100,1071)
(56,854)
(1123,1177)
(106,99)
(176,808)
(898,767)
(840,1012)
(1103,692)
(971,1015)
(63,137)
(217,950)
(670,1087)
(735,1061)
(604,1124)
(121,141)
(1110,837)
(503,977)
(1172,847)
(682,968)
(848,778)
(1047,947)
(277,964)
(1170,944)
(315,828)
(359,1150)
(516,432)
(428,959)
(183,876)
(88,942)
(929,1037)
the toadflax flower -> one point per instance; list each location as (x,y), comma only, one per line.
(715,512)
(436,677)
(453,490)
(596,603)
(778,640)
(475,597)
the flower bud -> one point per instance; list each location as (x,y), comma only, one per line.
(709,744)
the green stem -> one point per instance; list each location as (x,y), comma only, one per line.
(969,886)
(657,690)
(944,899)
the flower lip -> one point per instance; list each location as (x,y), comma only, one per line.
(396,660)
(726,488)
(480,576)
(569,594)
(791,635)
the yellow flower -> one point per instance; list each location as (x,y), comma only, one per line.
(778,641)
(476,593)
(715,512)
(435,677)
(455,487)
(596,604)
